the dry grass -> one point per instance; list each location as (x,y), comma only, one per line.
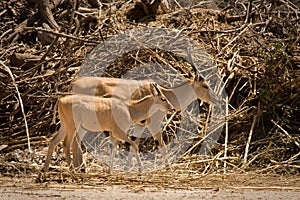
(255,46)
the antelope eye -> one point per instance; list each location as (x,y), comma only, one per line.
(205,86)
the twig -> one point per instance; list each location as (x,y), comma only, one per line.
(62,35)
(292,158)
(226,135)
(214,158)
(234,39)
(21,102)
(215,127)
(234,89)
(249,139)
(286,133)
(249,9)
(169,121)
(281,188)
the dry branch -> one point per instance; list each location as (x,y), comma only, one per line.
(254,43)
(31,20)
(46,14)
(21,103)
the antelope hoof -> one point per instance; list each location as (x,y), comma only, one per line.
(140,169)
(126,168)
(163,151)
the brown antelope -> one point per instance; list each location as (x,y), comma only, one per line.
(179,96)
(80,112)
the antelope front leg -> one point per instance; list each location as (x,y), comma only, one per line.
(155,128)
(134,149)
(137,134)
(122,136)
(161,143)
(114,141)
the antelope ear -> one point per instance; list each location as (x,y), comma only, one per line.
(154,89)
(198,78)
(190,75)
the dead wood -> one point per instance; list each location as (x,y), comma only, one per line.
(144,9)
(256,49)
(25,61)
(95,3)
(13,37)
(44,14)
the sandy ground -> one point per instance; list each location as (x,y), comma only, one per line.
(25,189)
(120,192)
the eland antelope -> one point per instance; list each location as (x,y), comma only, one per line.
(80,112)
(179,96)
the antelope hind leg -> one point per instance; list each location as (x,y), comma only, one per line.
(59,136)
(77,152)
(114,141)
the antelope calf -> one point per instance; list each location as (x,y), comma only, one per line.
(80,112)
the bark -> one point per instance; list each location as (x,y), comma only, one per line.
(46,14)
